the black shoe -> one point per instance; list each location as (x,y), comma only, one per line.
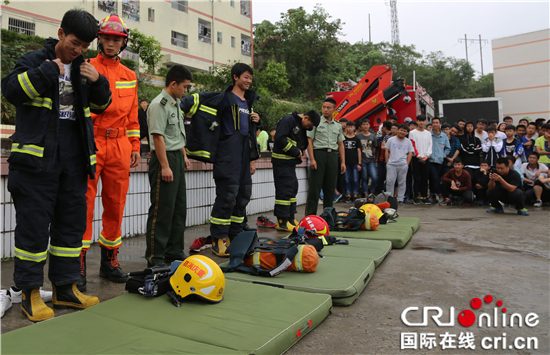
(81,283)
(416,201)
(110,268)
(247,228)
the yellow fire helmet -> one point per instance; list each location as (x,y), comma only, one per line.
(369,208)
(199,276)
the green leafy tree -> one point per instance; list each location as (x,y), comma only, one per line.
(273,77)
(307,43)
(147,48)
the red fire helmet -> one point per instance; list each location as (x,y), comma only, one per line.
(315,224)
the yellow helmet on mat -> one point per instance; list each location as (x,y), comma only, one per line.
(369,208)
(199,276)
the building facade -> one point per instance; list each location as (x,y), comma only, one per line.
(196,34)
(521,67)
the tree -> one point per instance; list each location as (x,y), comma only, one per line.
(273,77)
(308,45)
(146,47)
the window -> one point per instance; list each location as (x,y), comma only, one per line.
(245,8)
(232,3)
(232,42)
(151,14)
(107,6)
(130,10)
(21,26)
(179,5)
(220,37)
(205,31)
(246,45)
(179,39)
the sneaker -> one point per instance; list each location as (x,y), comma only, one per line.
(348,200)
(200,244)
(480,202)
(494,210)
(406,199)
(5,302)
(416,201)
(538,203)
(523,212)
(337,198)
(265,222)
(16,295)
(427,201)
(441,200)
(446,202)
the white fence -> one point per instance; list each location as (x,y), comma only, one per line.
(200,197)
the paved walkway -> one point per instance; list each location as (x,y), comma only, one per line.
(458,254)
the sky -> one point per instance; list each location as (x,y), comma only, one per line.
(429,25)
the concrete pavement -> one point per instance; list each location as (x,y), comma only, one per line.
(459,253)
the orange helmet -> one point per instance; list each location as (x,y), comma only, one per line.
(113,25)
(315,224)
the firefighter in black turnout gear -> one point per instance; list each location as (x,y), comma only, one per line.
(54,90)
(290,143)
(236,149)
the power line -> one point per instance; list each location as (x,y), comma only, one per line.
(465,39)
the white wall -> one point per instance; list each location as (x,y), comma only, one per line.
(522,74)
(200,197)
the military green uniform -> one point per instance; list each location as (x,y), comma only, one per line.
(168,211)
(325,152)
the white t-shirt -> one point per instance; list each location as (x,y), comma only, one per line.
(530,174)
(423,142)
(66,95)
(501,135)
(481,136)
(545,176)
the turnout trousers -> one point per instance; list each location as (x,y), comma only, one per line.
(286,189)
(113,167)
(233,186)
(324,177)
(168,211)
(51,208)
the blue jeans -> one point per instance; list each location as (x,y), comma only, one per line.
(368,169)
(352,179)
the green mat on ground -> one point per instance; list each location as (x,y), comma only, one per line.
(398,233)
(251,319)
(376,250)
(342,277)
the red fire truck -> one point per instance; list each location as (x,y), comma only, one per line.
(376,97)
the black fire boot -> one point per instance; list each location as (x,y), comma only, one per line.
(33,306)
(81,283)
(68,296)
(110,268)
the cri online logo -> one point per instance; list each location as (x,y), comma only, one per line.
(467,318)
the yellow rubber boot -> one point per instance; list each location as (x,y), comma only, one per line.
(284,225)
(219,248)
(34,307)
(68,296)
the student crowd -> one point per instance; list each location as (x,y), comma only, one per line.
(448,163)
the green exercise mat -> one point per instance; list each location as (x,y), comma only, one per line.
(251,319)
(376,250)
(398,233)
(342,277)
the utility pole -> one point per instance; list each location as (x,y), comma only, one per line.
(369,28)
(465,42)
(480,48)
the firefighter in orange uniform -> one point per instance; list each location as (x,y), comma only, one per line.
(117,140)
